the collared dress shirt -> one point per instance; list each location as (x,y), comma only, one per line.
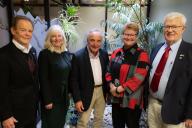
(167,70)
(96,68)
(22,48)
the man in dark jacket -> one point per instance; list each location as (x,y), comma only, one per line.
(87,80)
(170,101)
(18,78)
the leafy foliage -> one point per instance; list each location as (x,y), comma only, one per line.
(68,19)
(72,10)
(122,13)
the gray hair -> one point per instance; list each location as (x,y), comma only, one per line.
(176,15)
(50,32)
(94,30)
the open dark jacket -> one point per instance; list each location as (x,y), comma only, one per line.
(177,101)
(81,78)
(18,86)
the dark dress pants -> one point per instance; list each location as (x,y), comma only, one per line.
(125,116)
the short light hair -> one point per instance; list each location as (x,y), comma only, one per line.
(95,30)
(48,44)
(132,26)
(173,15)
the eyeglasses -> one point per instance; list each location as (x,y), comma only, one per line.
(171,27)
(131,35)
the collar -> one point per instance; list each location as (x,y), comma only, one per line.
(131,50)
(22,48)
(175,45)
(91,54)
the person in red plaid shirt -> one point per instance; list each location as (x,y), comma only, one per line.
(126,74)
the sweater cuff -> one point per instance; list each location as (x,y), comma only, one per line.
(5,116)
(128,90)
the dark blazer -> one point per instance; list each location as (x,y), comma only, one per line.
(81,79)
(18,86)
(177,101)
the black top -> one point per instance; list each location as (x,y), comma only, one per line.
(54,71)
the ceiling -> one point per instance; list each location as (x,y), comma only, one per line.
(73,1)
(60,1)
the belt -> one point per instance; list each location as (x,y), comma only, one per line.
(96,86)
(160,101)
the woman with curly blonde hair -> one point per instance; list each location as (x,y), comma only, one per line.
(54,67)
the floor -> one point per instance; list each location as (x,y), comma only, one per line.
(107,120)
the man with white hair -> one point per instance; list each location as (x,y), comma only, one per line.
(87,80)
(170,81)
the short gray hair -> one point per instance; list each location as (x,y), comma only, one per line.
(95,30)
(176,15)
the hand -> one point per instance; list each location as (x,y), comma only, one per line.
(188,123)
(9,123)
(49,106)
(120,89)
(79,106)
(113,90)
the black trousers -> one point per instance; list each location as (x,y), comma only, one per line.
(125,116)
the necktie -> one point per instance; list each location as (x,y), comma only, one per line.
(158,72)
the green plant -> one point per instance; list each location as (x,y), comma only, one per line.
(68,20)
(122,13)
(72,10)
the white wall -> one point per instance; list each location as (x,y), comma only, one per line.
(161,7)
(91,18)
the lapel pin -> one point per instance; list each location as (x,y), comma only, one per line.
(181,56)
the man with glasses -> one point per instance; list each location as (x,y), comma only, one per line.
(170,100)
